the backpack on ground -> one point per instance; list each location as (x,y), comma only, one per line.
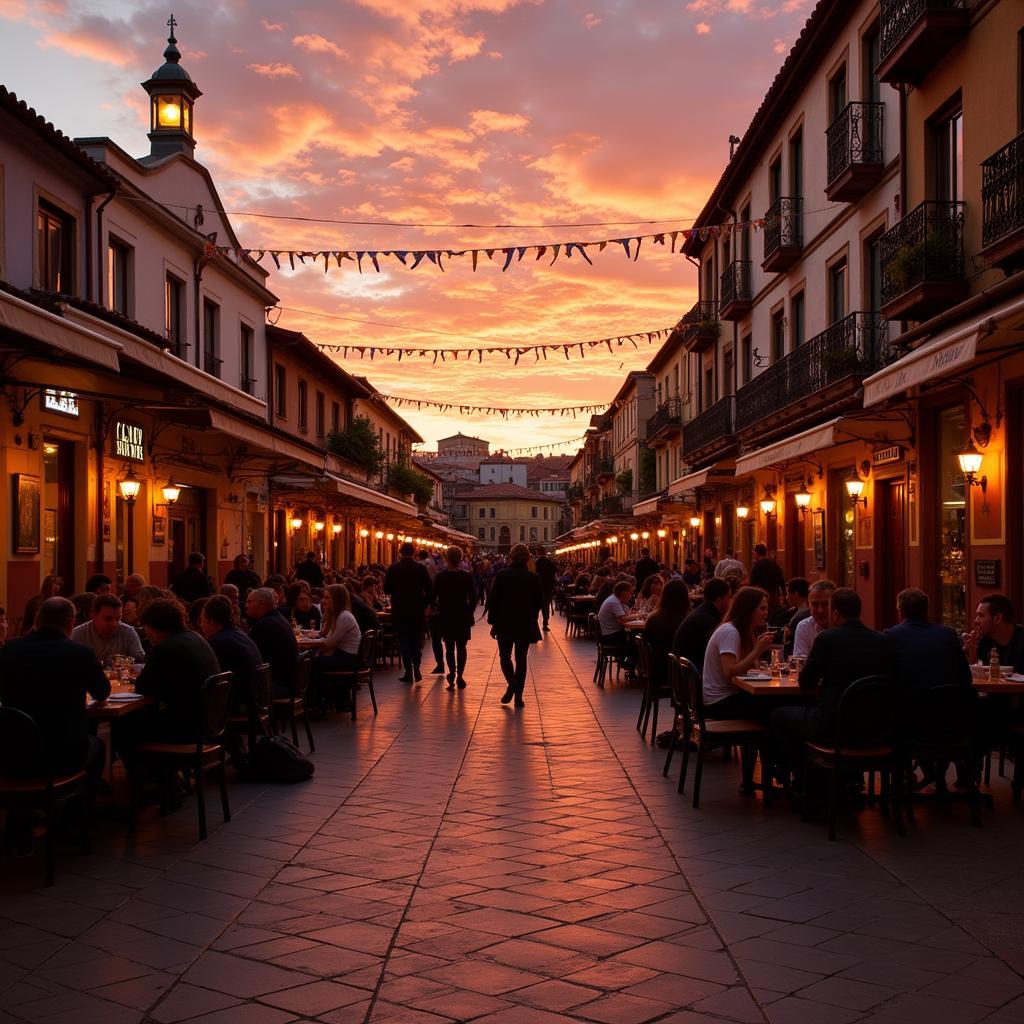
(277,759)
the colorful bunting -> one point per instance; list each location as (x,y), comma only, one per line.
(494,410)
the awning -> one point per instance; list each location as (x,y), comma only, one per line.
(823,436)
(57,333)
(692,481)
(648,506)
(947,352)
(261,437)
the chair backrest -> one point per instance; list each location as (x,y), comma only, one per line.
(22,750)
(943,716)
(868,713)
(594,627)
(303,672)
(262,688)
(214,705)
(367,643)
(643,658)
(694,689)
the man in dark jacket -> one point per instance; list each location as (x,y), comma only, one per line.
(47,675)
(273,635)
(193,583)
(236,652)
(767,574)
(547,571)
(839,656)
(243,577)
(694,632)
(927,654)
(366,617)
(645,566)
(408,583)
(310,571)
(515,601)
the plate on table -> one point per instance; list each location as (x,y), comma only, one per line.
(756,677)
(118,698)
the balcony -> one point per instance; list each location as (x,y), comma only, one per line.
(735,291)
(698,329)
(666,422)
(916,35)
(211,364)
(613,505)
(711,431)
(604,469)
(249,385)
(1002,197)
(855,160)
(923,262)
(783,234)
(820,373)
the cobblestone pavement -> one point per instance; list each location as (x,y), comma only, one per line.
(457,860)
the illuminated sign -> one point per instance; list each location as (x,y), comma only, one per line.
(64,402)
(129,441)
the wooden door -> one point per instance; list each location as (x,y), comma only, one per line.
(892,570)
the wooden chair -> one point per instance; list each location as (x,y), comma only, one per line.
(866,740)
(577,616)
(254,720)
(607,654)
(653,693)
(349,681)
(198,757)
(691,725)
(290,710)
(22,748)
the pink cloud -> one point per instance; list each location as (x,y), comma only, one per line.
(272,26)
(318,44)
(702,28)
(274,70)
(483,121)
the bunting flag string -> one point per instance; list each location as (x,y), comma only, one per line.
(511,352)
(429,456)
(493,410)
(505,254)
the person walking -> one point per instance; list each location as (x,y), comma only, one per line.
(192,583)
(455,601)
(408,584)
(513,605)
(547,571)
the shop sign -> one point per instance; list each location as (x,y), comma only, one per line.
(64,402)
(885,456)
(986,572)
(129,441)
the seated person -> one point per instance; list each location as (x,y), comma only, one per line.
(691,572)
(694,632)
(235,651)
(819,599)
(994,628)
(272,634)
(302,611)
(797,590)
(926,653)
(734,649)
(660,627)
(106,634)
(365,615)
(48,676)
(650,594)
(339,645)
(842,654)
(179,662)
(614,614)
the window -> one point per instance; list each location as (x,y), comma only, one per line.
(545,511)
(55,241)
(837,291)
(775,179)
(533,511)
(247,347)
(493,513)
(280,390)
(545,533)
(174,314)
(796,165)
(744,246)
(709,387)
(747,358)
(483,513)
(797,321)
(211,341)
(778,335)
(873,274)
(119,261)
(837,93)
(522,532)
(948,142)
(481,533)
(303,411)
(335,417)
(871,50)
(708,291)
(492,533)
(321,417)
(533,533)
(727,370)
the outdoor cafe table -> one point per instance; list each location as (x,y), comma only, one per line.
(111,710)
(789,686)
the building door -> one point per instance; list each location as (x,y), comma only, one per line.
(59,511)
(504,538)
(796,554)
(952,524)
(187,529)
(892,575)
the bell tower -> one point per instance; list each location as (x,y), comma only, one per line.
(172,96)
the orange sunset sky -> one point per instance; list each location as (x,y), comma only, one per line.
(525,112)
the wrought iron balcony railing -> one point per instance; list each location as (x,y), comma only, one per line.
(211,364)
(700,323)
(716,423)
(735,283)
(249,385)
(854,138)
(925,247)
(612,505)
(855,346)
(668,416)
(784,225)
(898,17)
(1002,192)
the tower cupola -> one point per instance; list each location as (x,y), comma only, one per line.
(172,96)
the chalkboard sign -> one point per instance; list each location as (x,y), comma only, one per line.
(986,572)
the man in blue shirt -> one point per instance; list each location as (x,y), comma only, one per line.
(927,654)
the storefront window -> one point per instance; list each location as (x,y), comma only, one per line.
(952,513)
(843,522)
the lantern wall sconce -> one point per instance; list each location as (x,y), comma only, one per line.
(634,536)
(768,503)
(803,501)
(171,492)
(645,535)
(742,511)
(661,535)
(130,486)
(297,522)
(855,489)
(319,526)
(364,533)
(336,528)
(970,460)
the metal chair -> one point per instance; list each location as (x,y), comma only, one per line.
(653,693)
(865,740)
(290,710)
(27,783)
(607,654)
(203,755)
(351,679)
(708,733)
(254,719)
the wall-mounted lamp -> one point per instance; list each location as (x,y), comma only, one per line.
(768,503)
(695,522)
(336,529)
(803,501)
(970,460)
(855,488)
(634,536)
(297,522)
(319,525)
(171,492)
(391,536)
(661,535)
(742,511)
(646,534)
(379,535)
(364,533)
(613,539)
(130,486)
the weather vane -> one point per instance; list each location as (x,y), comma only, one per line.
(171,24)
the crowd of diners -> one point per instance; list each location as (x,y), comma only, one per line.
(725,617)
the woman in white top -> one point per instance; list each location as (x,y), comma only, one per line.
(649,596)
(734,649)
(340,636)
